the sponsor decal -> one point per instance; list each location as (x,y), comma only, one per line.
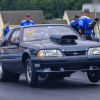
(80,23)
(30,31)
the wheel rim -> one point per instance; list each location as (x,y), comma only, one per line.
(1,71)
(29,72)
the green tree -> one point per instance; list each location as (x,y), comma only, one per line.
(50,8)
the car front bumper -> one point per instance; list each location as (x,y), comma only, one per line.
(63,64)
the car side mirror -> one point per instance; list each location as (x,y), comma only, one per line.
(14,43)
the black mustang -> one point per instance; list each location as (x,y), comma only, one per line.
(48,51)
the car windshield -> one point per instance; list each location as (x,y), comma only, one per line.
(44,32)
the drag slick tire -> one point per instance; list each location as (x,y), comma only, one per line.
(31,75)
(7,76)
(94,76)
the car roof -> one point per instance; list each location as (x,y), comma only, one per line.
(42,25)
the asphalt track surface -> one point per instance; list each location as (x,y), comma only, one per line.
(77,87)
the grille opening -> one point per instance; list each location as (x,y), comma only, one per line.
(55,69)
(74,53)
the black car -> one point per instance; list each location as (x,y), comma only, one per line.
(48,51)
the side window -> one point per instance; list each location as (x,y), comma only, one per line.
(5,39)
(15,36)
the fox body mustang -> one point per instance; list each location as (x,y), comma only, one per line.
(48,51)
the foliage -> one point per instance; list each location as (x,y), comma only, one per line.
(51,8)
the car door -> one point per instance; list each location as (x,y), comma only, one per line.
(10,51)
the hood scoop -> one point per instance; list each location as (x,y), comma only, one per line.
(64,38)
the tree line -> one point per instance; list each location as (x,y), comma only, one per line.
(51,8)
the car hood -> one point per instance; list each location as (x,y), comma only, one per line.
(79,45)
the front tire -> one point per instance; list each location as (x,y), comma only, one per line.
(31,75)
(94,76)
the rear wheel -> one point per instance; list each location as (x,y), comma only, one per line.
(1,72)
(6,76)
(4,73)
(94,76)
(31,75)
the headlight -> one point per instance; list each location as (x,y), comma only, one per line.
(49,53)
(94,51)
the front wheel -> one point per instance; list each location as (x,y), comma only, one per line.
(31,75)
(94,76)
